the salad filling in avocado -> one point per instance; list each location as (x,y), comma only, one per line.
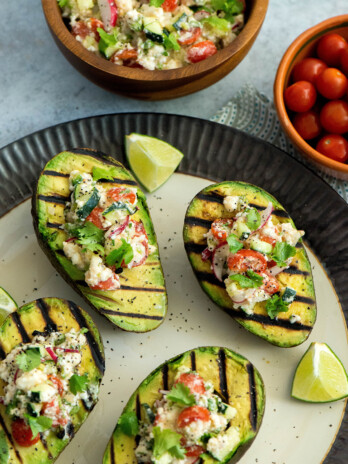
(103,239)
(43,387)
(248,250)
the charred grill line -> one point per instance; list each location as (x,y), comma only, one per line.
(86,406)
(165,377)
(193,360)
(210,278)
(53,225)
(96,353)
(135,315)
(88,151)
(70,430)
(142,289)
(48,172)
(252,394)
(293,270)
(23,333)
(222,375)
(53,199)
(265,320)
(44,444)
(2,352)
(115,180)
(10,438)
(213,197)
(192,247)
(304,299)
(51,326)
(112,451)
(138,413)
(195,221)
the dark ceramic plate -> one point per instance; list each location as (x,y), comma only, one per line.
(211,151)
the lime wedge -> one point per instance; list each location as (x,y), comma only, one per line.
(7,304)
(151,160)
(320,376)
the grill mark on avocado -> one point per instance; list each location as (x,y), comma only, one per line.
(90,152)
(51,326)
(23,333)
(252,394)
(138,413)
(54,225)
(293,270)
(112,452)
(193,360)
(116,180)
(59,199)
(304,299)
(165,377)
(222,375)
(10,438)
(2,352)
(142,289)
(195,221)
(135,315)
(49,172)
(210,278)
(213,197)
(93,345)
(44,444)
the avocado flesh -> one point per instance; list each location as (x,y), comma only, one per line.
(207,206)
(234,378)
(140,304)
(49,314)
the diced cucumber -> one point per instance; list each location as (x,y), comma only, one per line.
(86,203)
(117,205)
(179,22)
(33,409)
(153,30)
(259,245)
(243,230)
(223,444)
(149,413)
(288,295)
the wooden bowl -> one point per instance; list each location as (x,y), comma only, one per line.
(302,47)
(155,85)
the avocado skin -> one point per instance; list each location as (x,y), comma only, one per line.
(141,304)
(49,314)
(234,378)
(207,206)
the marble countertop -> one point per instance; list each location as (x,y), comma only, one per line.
(39,88)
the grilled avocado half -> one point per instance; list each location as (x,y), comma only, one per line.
(207,206)
(48,315)
(140,304)
(235,380)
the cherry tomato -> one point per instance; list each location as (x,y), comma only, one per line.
(193,414)
(53,407)
(125,55)
(139,231)
(247,259)
(270,284)
(344,61)
(189,37)
(267,239)
(334,117)
(329,48)
(307,124)
(169,5)
(194,451)
(95,218)
(193,381)
(220,228)
(308,69)
(121,194)
(201,50)
(22,433)
(57,383)
(300,97)
(85,28)
(332,83)
(106,284)
(93,24)
(334,146)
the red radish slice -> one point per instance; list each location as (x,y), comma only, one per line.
(121,228)
(108,12)
(275,270)
(52,354)
(220,255)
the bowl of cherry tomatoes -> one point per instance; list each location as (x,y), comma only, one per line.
(311,95)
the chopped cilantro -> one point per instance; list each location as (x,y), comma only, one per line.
(104,173)
(129,424)
(156,3)
(217,23)
(29,359)
(78,383)
(181,394)
(4,450)
(107,41)
(281,252)
(124,253)
(83,330)
(38,424)
(119,205)
(167,441)
(63,3)
(252,280)
(60,339)
(253,219)
(77,180)
(233,243)
(230,7)
(276,305)
(170,42)
(89,236)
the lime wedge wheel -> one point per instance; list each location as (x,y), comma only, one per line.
(320,376)
(7,304)
(151,160)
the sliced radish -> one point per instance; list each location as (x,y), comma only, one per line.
(52,354)
(121,228)
(108,12)
(220,255)
(275,270)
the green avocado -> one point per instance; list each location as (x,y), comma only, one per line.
(234,379)
(140,304)
(48,315)
(207,206)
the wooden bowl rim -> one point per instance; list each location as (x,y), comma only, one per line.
(249,31)
(283,72)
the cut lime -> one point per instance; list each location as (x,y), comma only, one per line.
(7,304)
(151,160)
(320,376)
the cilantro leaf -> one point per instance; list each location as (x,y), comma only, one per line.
(29,359)
(63,3)
(107,41)
(233,243)
(156,3)
(89,237)
(4,450)
(104,173)
(276,305)
(181,394)
(78,383)
(281,252)
(253,219)
(252,280)
(120,254)
(170,42)
(167,440)
(38,424)
(129,424)
(217,23)
(231,7)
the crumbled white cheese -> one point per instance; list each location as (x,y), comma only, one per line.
(98,272)
(74,252)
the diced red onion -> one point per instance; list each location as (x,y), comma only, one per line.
(71,239)
(206,254)
(236,25)
(108,12)
(16,376)
(201,14)
(121,228)
(275,270)
(52,354)
(220,255)
(67,350)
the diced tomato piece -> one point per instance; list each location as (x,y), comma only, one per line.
(57,383)
(106,284)
(95,217)
(220,228)
(85,28)
(270,283)
(127,54)
(193,381)
(193,414)
(247,259)
(267,239)
(53,406)
(201,50)
(22,433)
(189,37)
(119,194)
(194,451)
(169,5)
(93,24)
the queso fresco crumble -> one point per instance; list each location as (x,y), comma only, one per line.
(154,34)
